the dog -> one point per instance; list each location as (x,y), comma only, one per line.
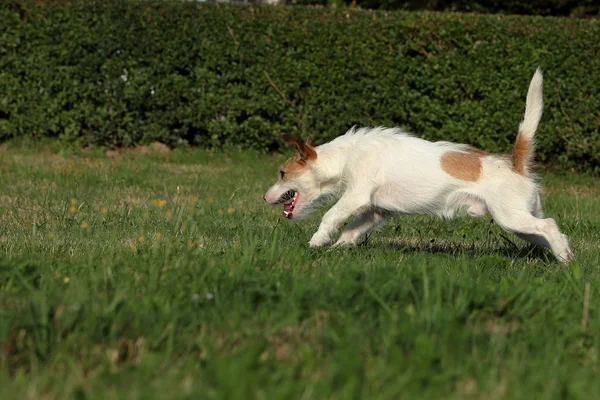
(376,173)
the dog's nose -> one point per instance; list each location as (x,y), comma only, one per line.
(265,197)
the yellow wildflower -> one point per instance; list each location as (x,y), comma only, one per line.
(211,200)
(159,203)
(73,209)
(220,212)
(104,211)
(230,210)
(66,279)
(85,225)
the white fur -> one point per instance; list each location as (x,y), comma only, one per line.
(533,106)
(377,173)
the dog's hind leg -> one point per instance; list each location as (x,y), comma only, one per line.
(537,206)
(364,223)
(476,208)
(543,232)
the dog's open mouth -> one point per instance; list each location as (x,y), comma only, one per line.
(289,200)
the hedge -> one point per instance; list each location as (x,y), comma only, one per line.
(121,73)
(574,8)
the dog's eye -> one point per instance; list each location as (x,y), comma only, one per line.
(281,173)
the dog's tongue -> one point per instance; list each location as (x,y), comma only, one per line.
(289,206)
(287,210)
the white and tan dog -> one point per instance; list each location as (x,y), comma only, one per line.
(377,173)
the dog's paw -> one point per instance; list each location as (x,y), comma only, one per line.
(566,257)
(318,240)
(344,243)
(317,243)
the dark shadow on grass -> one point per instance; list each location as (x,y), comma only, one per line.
(472,248)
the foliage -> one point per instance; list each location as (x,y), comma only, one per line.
(576,8)
(121,73)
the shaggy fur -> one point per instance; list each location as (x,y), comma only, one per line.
(377,173)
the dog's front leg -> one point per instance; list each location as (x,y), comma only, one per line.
(341,211)
(367,221)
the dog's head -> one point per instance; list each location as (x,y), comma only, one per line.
(297,188)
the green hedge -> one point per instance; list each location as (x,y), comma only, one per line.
(574,8)
(120,73)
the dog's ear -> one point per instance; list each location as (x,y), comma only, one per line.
(306,150)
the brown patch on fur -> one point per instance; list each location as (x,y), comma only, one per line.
(306,150)
(294,165)
(464,166)
(520,155)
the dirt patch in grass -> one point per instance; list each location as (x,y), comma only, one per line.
(286,340)
(578,190)
(493,326)
(192,168)
(152,148)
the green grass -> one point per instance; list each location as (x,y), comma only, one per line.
(165,276)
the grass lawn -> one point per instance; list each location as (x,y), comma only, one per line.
(166,276)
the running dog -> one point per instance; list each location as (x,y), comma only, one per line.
(376,173)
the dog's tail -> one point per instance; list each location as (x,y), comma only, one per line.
(524,148)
